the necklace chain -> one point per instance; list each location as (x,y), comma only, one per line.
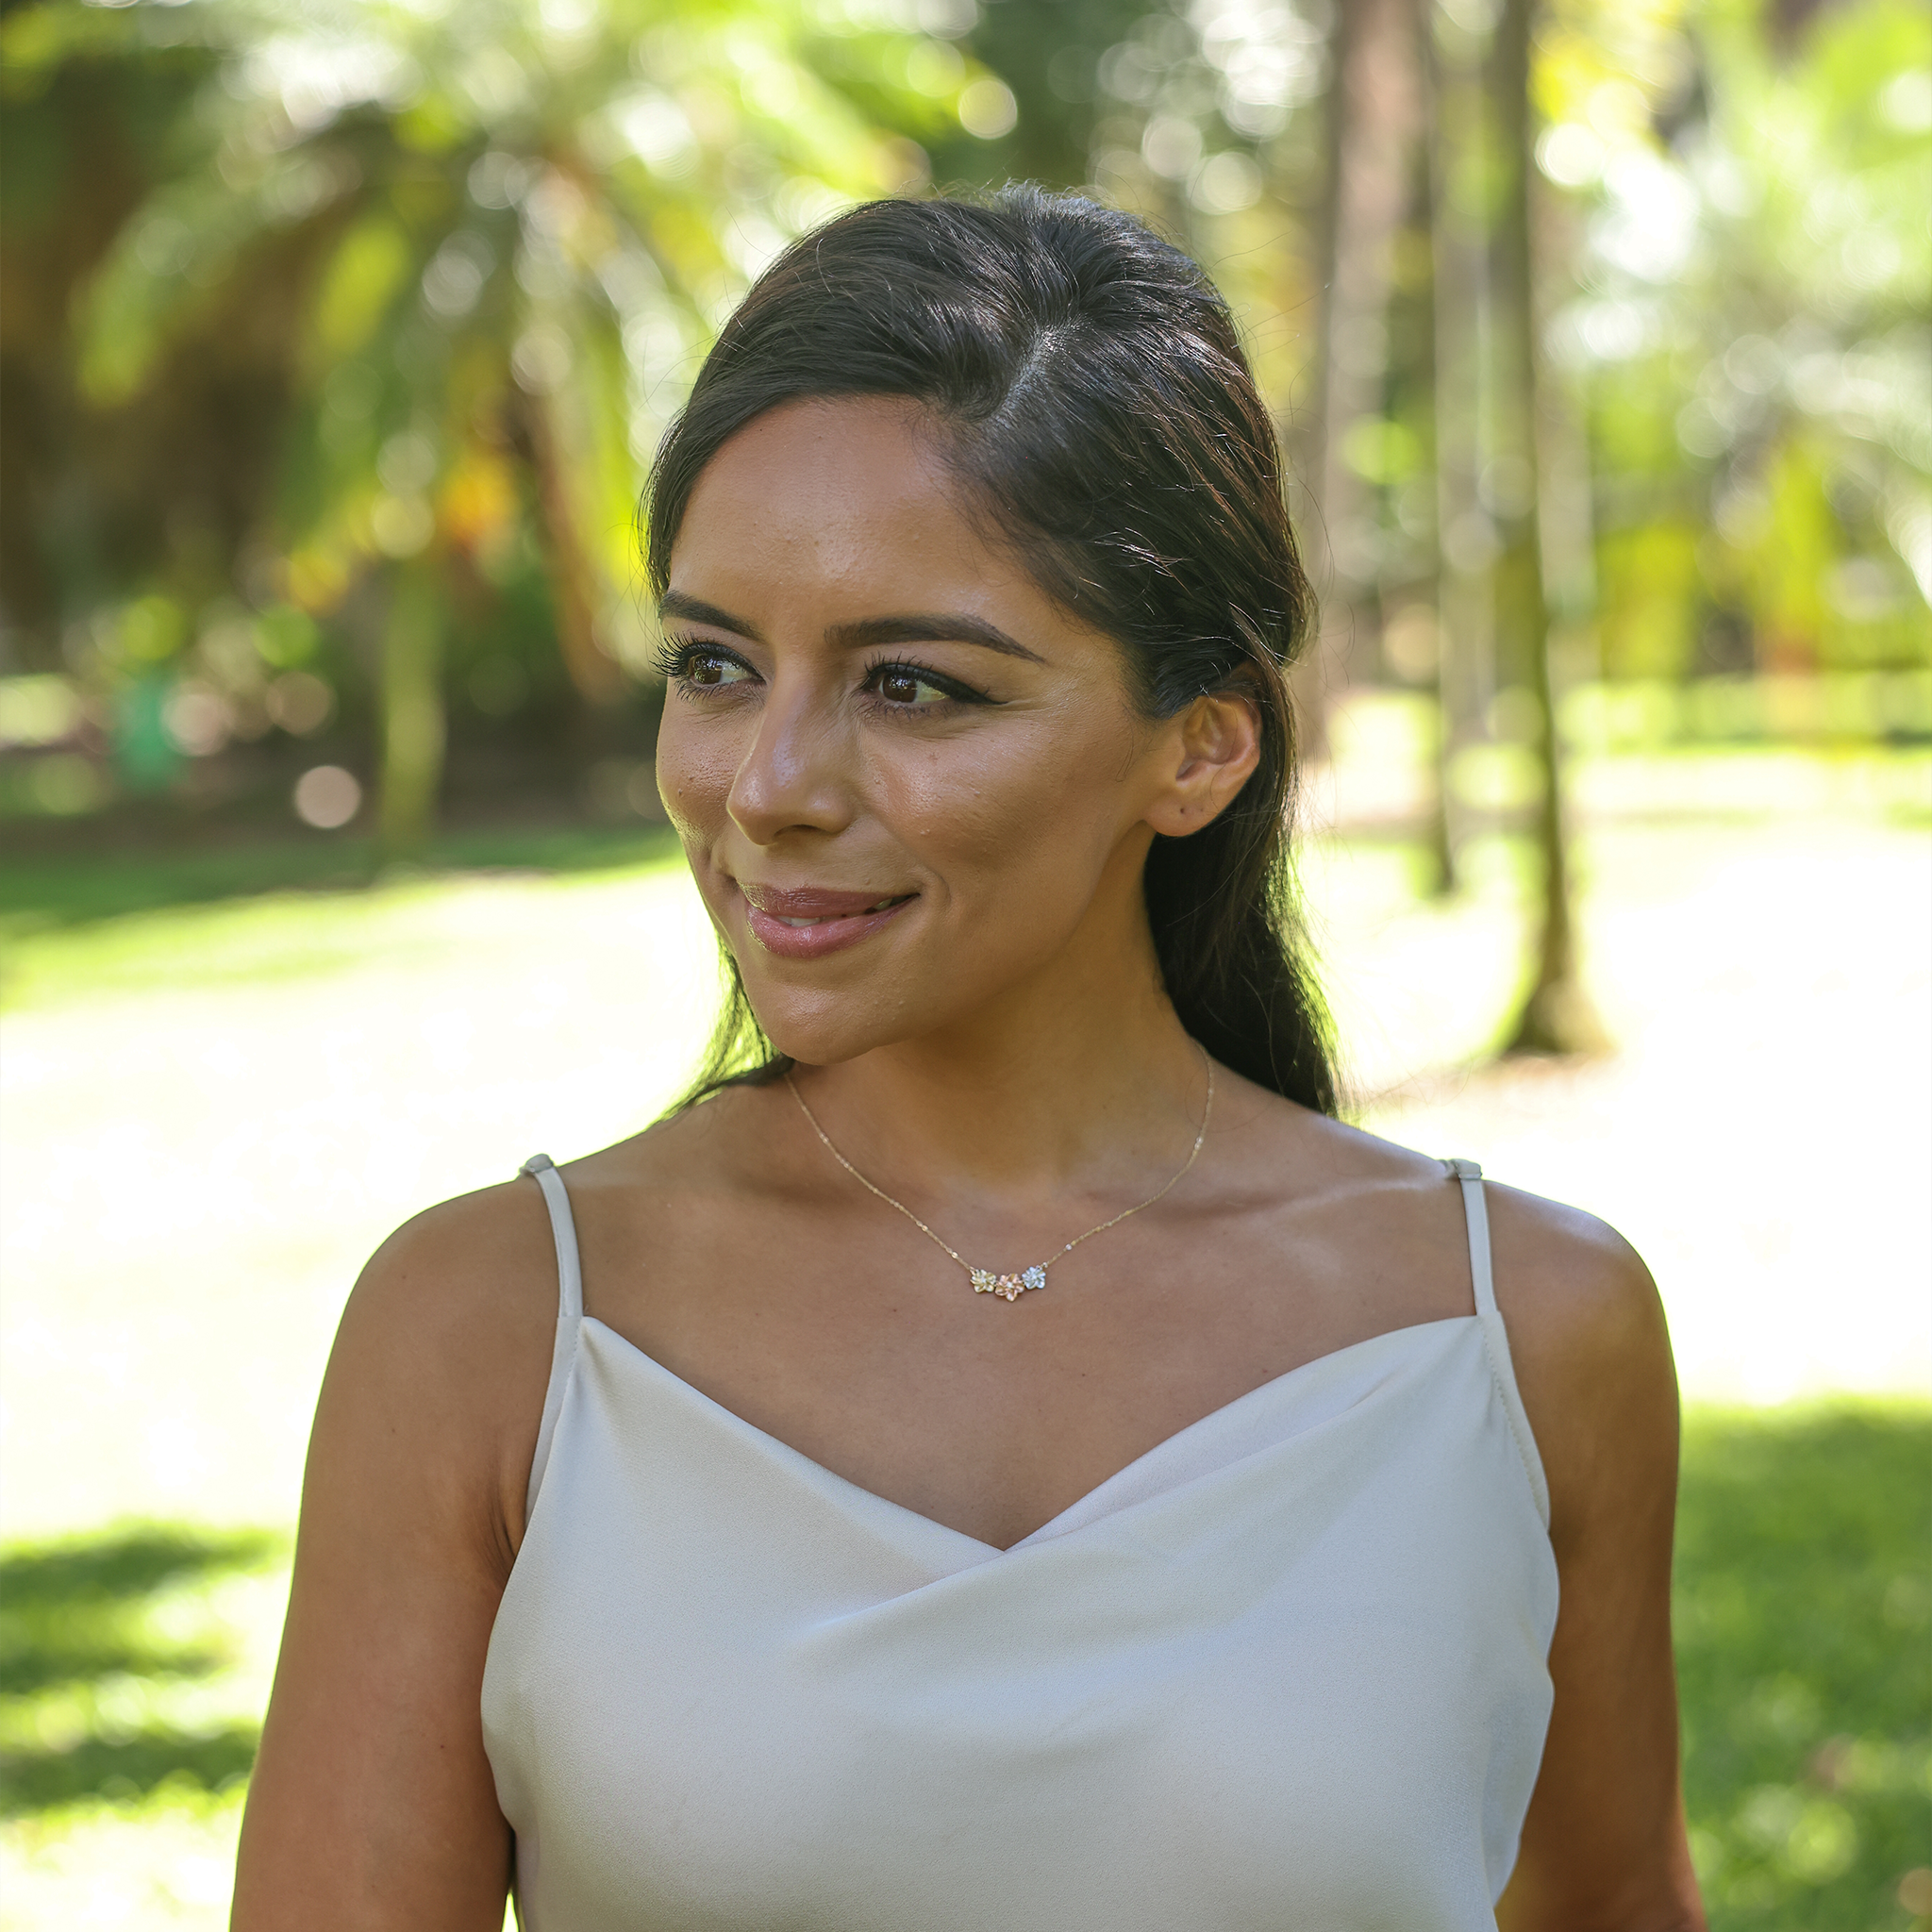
(1012,1287)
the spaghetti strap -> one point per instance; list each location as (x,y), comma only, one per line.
(569,1314)
(1476,1210)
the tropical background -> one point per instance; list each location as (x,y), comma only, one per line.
(336,337)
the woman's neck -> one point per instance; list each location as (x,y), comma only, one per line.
(1080,1076)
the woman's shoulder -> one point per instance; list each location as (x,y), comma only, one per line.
(489,1257)
(1557,1269)
(695,1169)
(466,1266)
(446,1342)
(1585,1326)
(1591,1355)
(442,1358)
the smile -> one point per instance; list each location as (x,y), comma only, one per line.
(809,921)
(884,906)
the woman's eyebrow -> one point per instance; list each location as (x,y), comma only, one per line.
(924,628)
(695,610)
(946,627)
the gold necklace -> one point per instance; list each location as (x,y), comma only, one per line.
(1010,1286)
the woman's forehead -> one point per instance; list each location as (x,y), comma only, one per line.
(827,460)
(848,497)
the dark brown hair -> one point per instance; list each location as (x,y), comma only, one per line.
(1088,384)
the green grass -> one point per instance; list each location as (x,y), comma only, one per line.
(1804,1622)
(113,1651)
(40,892)
(228,1074)
(1804,1602)
(75,929)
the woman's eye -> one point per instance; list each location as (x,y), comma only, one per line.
(899,684)
(707,670)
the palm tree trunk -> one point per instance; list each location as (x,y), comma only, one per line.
(1465,539)
(1438,846)
(1556,1015)
(413,728)
(1373,111)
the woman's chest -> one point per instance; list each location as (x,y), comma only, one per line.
(1313,1769)
(1286,1670)
(986,1415)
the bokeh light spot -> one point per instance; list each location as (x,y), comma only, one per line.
(327,797)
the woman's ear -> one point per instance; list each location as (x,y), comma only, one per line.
(1217,745)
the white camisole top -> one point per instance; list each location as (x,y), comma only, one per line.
(1287,1672)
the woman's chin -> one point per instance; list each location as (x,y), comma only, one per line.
(820,1031)
(827,1040)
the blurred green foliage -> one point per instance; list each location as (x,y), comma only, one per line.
(392,305)
(336,337)
(1748,332)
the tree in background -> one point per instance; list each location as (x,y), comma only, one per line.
(491,242)
(1373,109)
(1745,332)
(1609,430)
(334,340)
(1464,537)
(1556,1015)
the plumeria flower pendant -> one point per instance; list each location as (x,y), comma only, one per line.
(1010,1286)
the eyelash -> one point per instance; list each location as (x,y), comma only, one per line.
(674,658)
(954,691)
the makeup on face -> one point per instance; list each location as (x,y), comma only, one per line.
(905,777)
(807,922)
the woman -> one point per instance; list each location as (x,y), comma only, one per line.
(1004,1454)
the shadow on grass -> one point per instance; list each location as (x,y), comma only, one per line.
(124,1768)
(1803,1615)
(93,1635)
(1803,1636)
(71,890)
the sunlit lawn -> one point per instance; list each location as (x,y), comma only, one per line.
(1804,1626)
(213,1110)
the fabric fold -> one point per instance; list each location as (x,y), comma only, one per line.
(1288,1667)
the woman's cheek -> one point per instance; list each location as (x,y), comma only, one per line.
(1019,836)
(693,785)
(951,815)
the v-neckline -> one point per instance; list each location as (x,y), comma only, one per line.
(764,1438)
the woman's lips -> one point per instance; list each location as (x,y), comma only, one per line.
(807,923)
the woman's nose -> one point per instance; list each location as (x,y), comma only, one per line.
(793,777)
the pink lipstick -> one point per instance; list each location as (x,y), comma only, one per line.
(807,922)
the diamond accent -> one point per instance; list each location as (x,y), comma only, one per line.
(1008,1287)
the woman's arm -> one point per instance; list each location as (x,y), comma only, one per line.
(1604,1847)
(373,1805)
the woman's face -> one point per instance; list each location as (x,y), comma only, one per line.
(909,784)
